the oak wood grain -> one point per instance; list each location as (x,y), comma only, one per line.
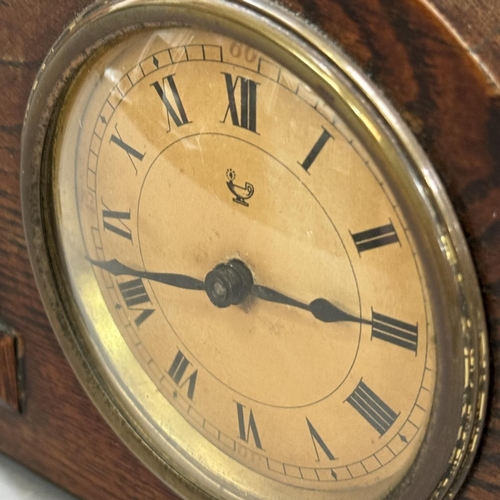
(8,372)
(436,61)
(477,25)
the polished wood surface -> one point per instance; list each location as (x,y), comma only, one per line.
(8,372)
(437,61)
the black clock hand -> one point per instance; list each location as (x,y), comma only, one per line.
(230,284)
(116,268)
(320,308)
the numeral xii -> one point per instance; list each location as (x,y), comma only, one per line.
(243,115)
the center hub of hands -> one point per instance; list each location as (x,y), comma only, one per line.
(229,283)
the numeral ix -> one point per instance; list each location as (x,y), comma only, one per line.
(134,293)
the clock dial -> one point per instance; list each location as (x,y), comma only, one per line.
(250,252)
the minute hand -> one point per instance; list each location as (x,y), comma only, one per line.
(320,308)
(116,268)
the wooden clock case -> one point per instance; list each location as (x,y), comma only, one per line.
(437,61)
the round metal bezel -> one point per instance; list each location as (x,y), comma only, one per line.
(458,414)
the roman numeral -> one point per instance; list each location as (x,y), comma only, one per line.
(177,371)
(113,221)
(395,331)
(244,115)
(131,152)
(318,441)
(176,109)
(250,429)
(134,293)
(316,150)
(375,238)
(372,408)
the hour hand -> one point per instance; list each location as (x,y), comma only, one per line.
(321,309)
(229,284)
(116,268)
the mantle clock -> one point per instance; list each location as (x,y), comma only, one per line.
(251,249)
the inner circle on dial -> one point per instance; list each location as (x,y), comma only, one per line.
(286,239)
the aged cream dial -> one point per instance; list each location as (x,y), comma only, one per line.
(202,155)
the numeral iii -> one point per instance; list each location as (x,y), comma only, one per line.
(395,331)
